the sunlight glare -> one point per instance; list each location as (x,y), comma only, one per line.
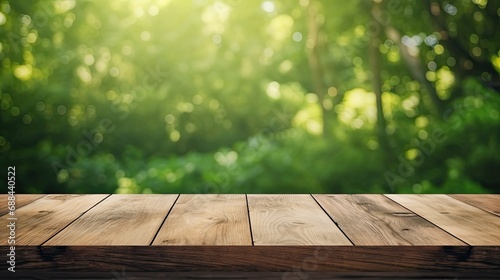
(268,6)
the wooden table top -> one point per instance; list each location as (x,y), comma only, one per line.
(238,232)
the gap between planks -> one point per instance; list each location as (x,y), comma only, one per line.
(249,221)
(487,202)
(162,223)
(21,200)
(373,219)
(210,220)
(46,216)
(119,220)
(75,220)
(471,224)
(292,220)
(386,195)
(333,220)
(470,207)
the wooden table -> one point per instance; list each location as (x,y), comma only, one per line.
(290,234)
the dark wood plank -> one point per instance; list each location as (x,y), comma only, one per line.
(43,218)
(487,202)
(259,258)
(472,225)
(207,220)
(21,200)
(291,220)
(377,220)
(129,219)
(294,275)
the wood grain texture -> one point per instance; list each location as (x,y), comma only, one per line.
(43,218)
(289,231)
(207,220)
(377,220)
(291,259)
(487,202)
(119,220)
(472,225)
(245,275)
(291,220)
(21,200)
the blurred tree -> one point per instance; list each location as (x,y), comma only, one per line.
(250,96)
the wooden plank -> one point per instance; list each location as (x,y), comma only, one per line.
(21,200)
(245,275)
(292,259)
(291,220)
(302,224)
(207,220)
(472,225)
(377,220)
(487,202)
(43,218)
(130,219)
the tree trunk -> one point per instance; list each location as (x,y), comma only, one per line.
(315,66)
(375,68)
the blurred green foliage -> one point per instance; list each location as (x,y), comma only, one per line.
(232,96)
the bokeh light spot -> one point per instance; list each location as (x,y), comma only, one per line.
(297,37)
(175,136)
(170,119)
(145,35)
(114,72)
(61,109)
(153,10)
(14,111)
(40,106)
(268,6)
(27,119)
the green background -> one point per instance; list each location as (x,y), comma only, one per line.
(233,96)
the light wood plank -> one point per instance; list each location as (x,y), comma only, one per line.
(377,220)
(487,202)
(472,225)
(291,220)
(21,200)
(207,220)
(43,218)
(131,219)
